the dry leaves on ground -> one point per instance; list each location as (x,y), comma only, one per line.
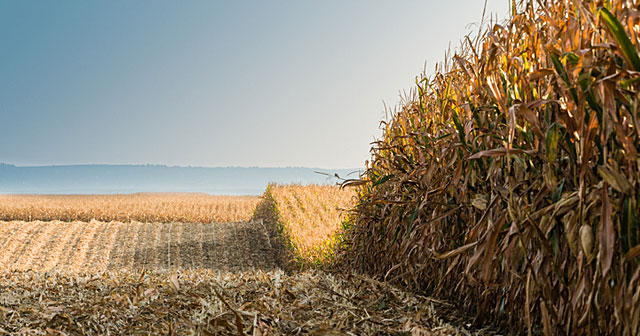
(210,302)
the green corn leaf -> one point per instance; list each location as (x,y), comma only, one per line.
(615,28)
(443,136)
(563,73)
(395,235)
(572,58)
(413,217)
(629,225)
(559,67)
(628,83)
(460,129)
(558,194)
(382,180)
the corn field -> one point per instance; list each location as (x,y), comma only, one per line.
(308,218)
(508,180)
(141,207)
(172,278)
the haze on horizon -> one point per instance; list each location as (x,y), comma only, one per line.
(204,83)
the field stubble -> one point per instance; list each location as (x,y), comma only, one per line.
(207,302)
(100,246)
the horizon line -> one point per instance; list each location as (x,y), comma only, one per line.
(170,166)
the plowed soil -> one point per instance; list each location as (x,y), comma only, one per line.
(114,246)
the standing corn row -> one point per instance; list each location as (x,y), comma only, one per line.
(510,180)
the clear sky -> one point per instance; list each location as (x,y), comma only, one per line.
(213,83)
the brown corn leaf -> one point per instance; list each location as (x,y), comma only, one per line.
(174,282)
(606,235)
(480,202)
(615,179)
(586,239)
(457,251)
(540,73)
(499,152)
(546,321)
(633,253)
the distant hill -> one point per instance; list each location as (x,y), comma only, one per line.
(111,179)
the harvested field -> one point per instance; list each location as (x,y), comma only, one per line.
(133,278)
(141,207)
(211,303)
(96,278)
(99,246)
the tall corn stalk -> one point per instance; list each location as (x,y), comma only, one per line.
(509,181)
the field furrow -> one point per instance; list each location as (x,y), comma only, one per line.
(190,247)
(71,249)
(135,237)
(209,257)
(122,239)
(15,243)
(21,254)
(58,254)
(107,238)
(7,230)
(98,246)
(158,253)
(54,238)
(224,236)
(85,246)
(79,252)
(34,247)
(198,248)
(141,251)
(164,251)
(170,226)
(176,245)
(261,251)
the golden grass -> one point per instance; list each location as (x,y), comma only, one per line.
(142,207)
(309,217)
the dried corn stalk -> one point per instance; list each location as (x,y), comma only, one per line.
(509,179)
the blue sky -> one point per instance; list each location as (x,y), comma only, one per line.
(213,83)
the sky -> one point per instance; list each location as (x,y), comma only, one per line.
(214,83)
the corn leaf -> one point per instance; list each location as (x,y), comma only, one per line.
(554,134)
(615,28)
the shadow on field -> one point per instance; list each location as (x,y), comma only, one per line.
(218,246)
